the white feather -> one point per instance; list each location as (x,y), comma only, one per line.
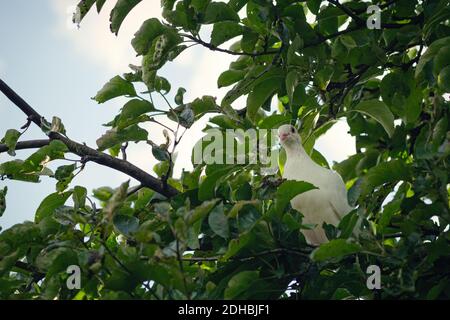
(328,203)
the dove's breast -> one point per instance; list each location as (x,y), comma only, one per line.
(319,205)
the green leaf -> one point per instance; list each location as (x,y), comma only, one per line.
(348,224)
(259,95)
(229,77)
(218,222)
(319,159)
(203,105)
(132,111)
(441,60)
(14,170)
(119,12)
(201,211)
(388,172)
(50,204)
(253,78)
(431,52)
(143,38)
(116,87)
(291,222)
(179,97)
(291,84)
(79,197)
(3,200)
(114,136)
(378,111)
(290,189)
(240,283)
(160,154)
(348,41)
(57,126)
(219,11)
(100,4)
(83,8)
(126,225)
(116,200)
(314,6)
(354,192)
(335,249)
(444,79)
(103,193)
(274,121)
(224,31)
(235,245)
(10,140)
(328,21)
(347,167)
(64,175)
(35,163)
(208,186)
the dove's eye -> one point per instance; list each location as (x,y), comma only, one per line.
(292,129)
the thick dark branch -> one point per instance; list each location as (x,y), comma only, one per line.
(31,144)
(88,153)
(36,274)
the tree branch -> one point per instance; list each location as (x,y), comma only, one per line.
(348,11)
(214,48)
(88,153)
(302,253)
(30,144)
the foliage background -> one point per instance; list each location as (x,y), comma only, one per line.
(140,244)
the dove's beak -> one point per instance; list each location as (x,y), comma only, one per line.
(283,136)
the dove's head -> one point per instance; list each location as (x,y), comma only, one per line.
(288,135)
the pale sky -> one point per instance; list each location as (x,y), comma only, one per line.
(57,68)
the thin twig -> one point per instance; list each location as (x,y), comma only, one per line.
(215,48)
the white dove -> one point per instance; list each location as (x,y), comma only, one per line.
(328,203)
